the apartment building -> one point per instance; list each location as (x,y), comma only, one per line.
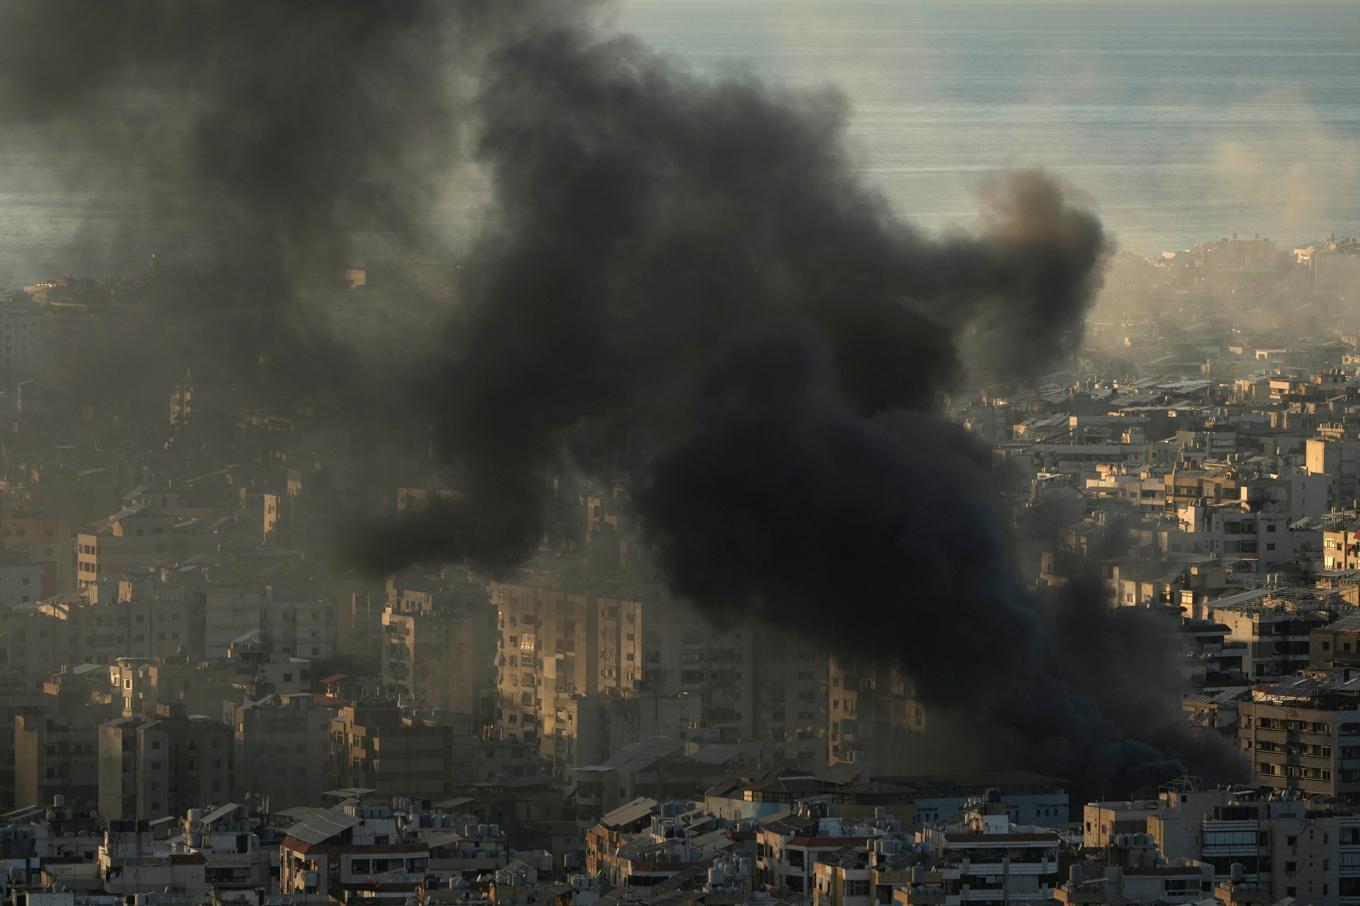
(20,338)
(40,639)
(1337,644)
(134,538)
(752,682)
(350,852)
(55,751)
(439,646)
(49,545)
(1336,456)
(872,708)
(1257,541)
(375,745)
(985,858)
(1277,633)
(163,765)
(787,849)
(554,643)
(589,729)
(299,625)
(279,743)
(1303,733)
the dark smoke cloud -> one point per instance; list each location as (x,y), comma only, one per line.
(1103,709)
(260,147)
(876,534)
(692,270)
(646,218)
(682,281)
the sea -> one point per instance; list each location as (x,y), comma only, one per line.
(1179,122)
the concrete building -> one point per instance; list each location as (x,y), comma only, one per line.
(42,638)
(49,544)
(133,861)
(137,537)
(753,683)
(281,742)
(1281,844)
(354,850)
(231,612)
(54,756)
(1029,798)
(23,581)
(299,625)
(143,684)
(438,646)
(1336,456)
(1096,884)
(591,729)
(164,765)
(1176,826)
(56,749)
(1277,634)
(18,697)
(375,745)
(1337,644)
(787,849)
(20,339)
(1303,733)
(1103,822)
(1259,542)
(1341,547)
(555,643)
(987,859)
(234,862)
(872,709)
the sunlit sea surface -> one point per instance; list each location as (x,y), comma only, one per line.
(1181,121)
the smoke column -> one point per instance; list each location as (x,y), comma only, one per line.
(680,278)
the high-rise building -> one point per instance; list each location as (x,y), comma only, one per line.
(872,710)
(753,682)
(281,742)
(163,765)
(555,642)
(439,644)
(20,326)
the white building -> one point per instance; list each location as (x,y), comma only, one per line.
(996,861)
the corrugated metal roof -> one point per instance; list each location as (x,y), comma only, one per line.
(629,812)
(1346,624)
(219,813)
(319,828)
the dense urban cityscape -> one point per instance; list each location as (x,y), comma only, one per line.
(203,703)
(541,453)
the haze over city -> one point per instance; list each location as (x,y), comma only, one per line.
(828,454)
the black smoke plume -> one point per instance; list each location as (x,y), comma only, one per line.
(694,269)
(682,280)
(263,146)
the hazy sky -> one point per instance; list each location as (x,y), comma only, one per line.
(1182,120)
